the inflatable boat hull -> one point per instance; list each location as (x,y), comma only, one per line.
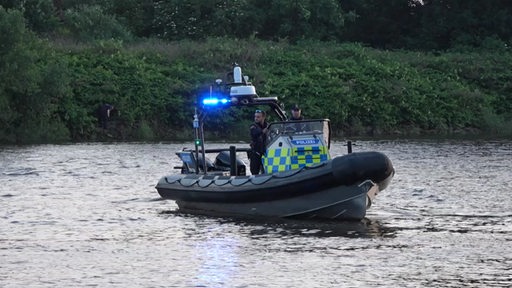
(341,188)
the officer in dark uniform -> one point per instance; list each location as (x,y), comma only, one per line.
(297,116)
(296,113)
(104,114)
(259,130)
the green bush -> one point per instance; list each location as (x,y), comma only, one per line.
(33,82)
(154,86)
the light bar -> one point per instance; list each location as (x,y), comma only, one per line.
(211,101)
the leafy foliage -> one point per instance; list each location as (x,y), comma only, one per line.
(119,52)
(31,84)
(393,24)
(86,23)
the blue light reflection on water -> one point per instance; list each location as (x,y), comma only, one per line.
(88,215)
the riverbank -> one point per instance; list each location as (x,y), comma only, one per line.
(153,85)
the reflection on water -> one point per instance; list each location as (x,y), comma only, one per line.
(269,227)
(218,260)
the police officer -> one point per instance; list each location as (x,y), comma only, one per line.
(104,114)
(296,113)
(259,130)
(297,116)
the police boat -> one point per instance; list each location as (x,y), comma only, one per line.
(301,179)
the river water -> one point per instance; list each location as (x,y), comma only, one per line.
(88,215)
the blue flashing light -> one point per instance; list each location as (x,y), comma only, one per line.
(215,100)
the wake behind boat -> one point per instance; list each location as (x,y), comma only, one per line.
(302,180)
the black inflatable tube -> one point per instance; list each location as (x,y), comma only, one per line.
(356,167)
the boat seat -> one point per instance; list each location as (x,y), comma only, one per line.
(223,163)
(189,162)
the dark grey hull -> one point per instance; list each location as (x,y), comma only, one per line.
(345,203)
(341,188)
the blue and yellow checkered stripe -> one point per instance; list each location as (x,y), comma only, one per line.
(277,160)
(282,159)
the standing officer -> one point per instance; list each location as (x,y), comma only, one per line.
(259,130)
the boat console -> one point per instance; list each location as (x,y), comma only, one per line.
(296,144)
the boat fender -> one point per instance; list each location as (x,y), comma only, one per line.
(173,178)
(287,173)
(240,180)
(222,180)
(355,167)
(206,180)
(315,165)
(260,179)
(188,181)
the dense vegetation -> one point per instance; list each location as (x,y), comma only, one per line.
(59,60)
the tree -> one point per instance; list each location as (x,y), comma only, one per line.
(88,23)
(381,24)
(137,16)
(444,24)
(39,14)
(31,84)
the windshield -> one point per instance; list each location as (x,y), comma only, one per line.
(318,127)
